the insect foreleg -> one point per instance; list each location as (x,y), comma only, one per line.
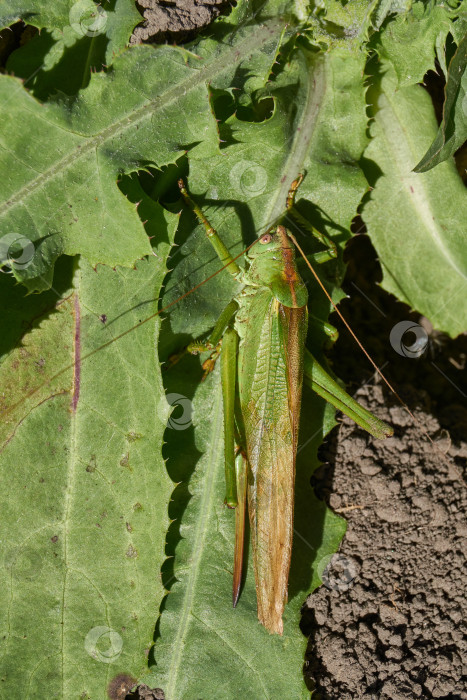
(214,341)
(223,321)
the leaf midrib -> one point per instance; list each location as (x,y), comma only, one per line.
(202,529)
(216,65)
(304,132)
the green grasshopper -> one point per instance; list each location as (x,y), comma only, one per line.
(260,338)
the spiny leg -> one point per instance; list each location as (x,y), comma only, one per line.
(224,256)
(316,377)
(235,458)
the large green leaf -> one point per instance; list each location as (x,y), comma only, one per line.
(335,23)
(385,8)
(409,41)
(148,109)
(244,190)
(39,13)
(452,131)
(84,504)
(206,648)
(151,107)
(61,59)
(416,220)
(114,18)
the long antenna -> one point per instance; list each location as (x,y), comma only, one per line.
(367,355)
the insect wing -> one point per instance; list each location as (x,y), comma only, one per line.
(270,378)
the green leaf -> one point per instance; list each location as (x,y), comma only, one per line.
(39,13)
(244,190)
(207,648)
(62,59)
(452,131)
(337,24)
(416,220)
(84,513)
(148,109)
(408,41)
(307,113)
(115,19)
(459,27)
(385,8)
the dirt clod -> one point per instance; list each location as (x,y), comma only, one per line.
(175,20)
(398,631)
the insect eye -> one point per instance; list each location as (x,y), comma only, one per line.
(267,238)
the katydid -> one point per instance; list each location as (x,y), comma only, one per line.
(260,337)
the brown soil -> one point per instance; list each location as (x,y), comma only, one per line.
(143,692)
(390,622)
(175,20)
